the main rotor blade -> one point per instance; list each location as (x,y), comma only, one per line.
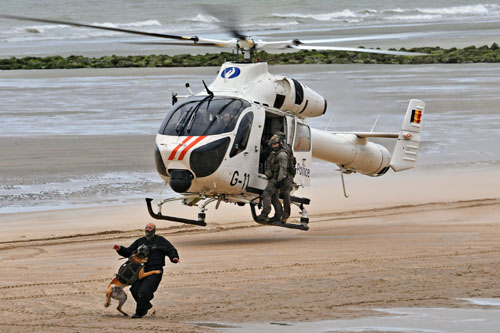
(404,35)
(229,25)
(227,18)
(75,24)
(181,44)
(356,49)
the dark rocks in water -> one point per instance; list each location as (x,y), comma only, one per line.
(435,55)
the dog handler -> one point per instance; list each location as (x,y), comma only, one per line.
(143,290)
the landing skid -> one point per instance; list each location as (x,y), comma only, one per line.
(159,216)
(193,200)
(304,220)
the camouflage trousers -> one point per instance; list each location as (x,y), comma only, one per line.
(271,196)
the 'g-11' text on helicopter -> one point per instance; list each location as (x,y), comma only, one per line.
(210,146)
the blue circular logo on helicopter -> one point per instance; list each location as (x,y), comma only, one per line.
(230,73)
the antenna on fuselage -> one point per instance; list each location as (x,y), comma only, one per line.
(206,88)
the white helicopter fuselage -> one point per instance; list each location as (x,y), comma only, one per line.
(196,155)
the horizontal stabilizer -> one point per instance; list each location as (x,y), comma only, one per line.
(375,135)
(369,134)
(405,152)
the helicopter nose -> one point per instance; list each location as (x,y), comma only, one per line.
(180,180)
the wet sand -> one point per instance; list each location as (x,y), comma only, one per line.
(74,155)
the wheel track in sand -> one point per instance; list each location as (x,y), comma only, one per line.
(40,317)
(229,226)
(211,282)
(35,251)
(339,305)
(360,214)
(276,267)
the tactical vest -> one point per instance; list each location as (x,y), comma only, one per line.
(129,272)
(291,162)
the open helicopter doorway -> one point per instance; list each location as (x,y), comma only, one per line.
(272,124)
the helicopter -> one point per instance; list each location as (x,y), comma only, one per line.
(211,146)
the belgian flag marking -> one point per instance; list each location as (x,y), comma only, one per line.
(416,116)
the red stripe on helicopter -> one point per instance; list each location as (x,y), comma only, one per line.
(416,116)
(172,154)
(185,150)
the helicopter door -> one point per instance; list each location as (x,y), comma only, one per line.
(272,124)
(290,126)
(303,153)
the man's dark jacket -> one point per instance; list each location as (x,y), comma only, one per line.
(160,247)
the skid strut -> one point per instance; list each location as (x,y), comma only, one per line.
(159,216)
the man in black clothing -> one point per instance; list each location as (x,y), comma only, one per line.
(143,290)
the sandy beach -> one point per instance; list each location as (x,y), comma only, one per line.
(420,252)
(422,238)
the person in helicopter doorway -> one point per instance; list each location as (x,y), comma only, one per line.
(280,180)
(143,289)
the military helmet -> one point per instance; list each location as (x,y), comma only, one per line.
(277,140)
(278,137)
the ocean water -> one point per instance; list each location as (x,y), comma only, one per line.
(113,188)
(261,19)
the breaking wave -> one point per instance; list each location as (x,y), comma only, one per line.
(262,18)
(417,15)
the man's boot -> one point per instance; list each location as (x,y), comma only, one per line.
(275,218)
(263,218)
(143,305)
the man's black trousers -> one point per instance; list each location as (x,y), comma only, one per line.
(143,291)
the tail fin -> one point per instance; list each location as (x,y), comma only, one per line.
(404,155)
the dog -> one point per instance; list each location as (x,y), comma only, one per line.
(128,273)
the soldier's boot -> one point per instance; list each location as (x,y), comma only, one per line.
(275,218)
(263,218)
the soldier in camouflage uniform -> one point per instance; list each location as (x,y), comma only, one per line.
(279,180)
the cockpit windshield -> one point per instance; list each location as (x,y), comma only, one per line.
(203,115)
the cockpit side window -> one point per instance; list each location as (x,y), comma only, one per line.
(242,135)
(203,115)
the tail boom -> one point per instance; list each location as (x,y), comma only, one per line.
(353,153)
(350,152)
